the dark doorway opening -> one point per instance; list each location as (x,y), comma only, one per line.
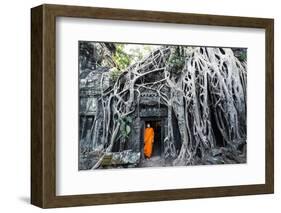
(157,146)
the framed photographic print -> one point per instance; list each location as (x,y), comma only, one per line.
(136,106)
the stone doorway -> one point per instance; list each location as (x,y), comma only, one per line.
(157,117)
(158,125)
(157,146)
(157,157)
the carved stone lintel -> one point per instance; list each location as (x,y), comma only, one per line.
(153,112)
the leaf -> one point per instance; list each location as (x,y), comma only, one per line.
(128,129)
(124,133)
(129,119)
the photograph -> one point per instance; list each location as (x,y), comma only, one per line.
(146,105)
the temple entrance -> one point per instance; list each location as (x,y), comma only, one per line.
(157,156)
(155,115)
(157,145)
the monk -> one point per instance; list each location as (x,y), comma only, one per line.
(148,141)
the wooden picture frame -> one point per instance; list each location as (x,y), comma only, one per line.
(43,105)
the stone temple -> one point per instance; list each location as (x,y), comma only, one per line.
(149,110)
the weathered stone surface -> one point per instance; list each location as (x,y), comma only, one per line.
(155,161)
(121,158)
(93,80)
(134,144)
(88,106)
(153,112)
(150,98)
(89,159)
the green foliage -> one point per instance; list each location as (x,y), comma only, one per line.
(127,54)
(114,74)
(243,56)
(176,61)
(138,52)
(125,127)
(121,58)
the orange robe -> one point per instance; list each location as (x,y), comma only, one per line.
(148,141)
